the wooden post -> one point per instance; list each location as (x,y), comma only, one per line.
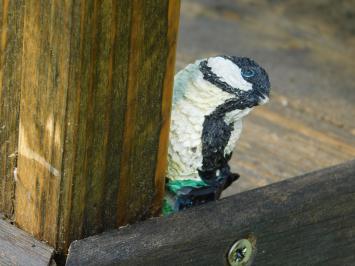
(94,120)
(11,22)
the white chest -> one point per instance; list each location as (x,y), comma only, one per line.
(194,99)
(235,135)
(185,148)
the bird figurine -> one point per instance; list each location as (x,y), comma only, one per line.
(211,96)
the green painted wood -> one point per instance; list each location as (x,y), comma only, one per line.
(306,220)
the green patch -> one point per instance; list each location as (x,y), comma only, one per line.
(175,185)
(172,187)
(167,208)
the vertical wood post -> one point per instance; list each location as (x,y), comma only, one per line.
(11,24)
(94,115)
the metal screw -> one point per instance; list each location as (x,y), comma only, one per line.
(240,253)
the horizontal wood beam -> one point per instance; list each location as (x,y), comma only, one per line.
(305,220)
(19,248)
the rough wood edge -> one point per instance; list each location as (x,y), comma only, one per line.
(322,201)
(160,171)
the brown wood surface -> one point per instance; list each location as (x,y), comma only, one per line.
(95,102)
(20,248)
(11,22)
(306,220)
(308,49)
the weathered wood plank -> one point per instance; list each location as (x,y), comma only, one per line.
(19,248)
(11,22)
(95,103)
(306,220)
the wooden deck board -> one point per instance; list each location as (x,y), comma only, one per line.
(309,122)
(19,248)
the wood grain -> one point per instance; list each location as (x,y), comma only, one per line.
(138,196)
(167,96)
(306,220)
(11,23)
(20,248)
(95,76)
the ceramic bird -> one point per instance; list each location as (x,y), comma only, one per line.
(211,96)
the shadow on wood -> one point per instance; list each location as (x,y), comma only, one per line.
(305,220)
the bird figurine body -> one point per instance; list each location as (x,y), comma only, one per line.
(211,96)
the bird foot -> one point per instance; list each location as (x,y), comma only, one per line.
(189,196)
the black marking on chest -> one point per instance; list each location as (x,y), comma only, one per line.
(215,136)
(216,132)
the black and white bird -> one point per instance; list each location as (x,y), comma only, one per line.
(210,99)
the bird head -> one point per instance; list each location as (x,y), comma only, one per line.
(242,78)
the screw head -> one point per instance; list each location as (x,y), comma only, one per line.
(240,253)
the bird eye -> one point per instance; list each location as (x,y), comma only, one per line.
(248,73)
